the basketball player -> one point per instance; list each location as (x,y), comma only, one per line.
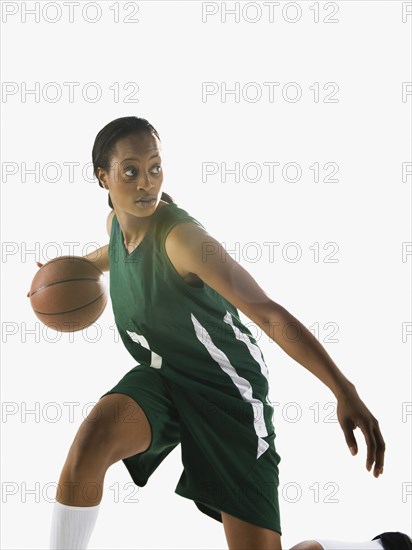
(200,379)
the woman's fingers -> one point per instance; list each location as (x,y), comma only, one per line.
(375,446)
(370,444)
(39,264)
(348,427)
(380,451)
(352,413)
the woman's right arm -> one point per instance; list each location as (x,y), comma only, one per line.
(100,257)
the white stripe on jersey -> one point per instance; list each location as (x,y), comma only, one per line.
(243,385)
(253,348)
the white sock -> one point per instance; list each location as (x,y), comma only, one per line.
(72,526)
(337,545)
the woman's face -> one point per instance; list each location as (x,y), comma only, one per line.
(135,176)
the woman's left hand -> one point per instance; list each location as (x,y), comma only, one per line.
(352,412)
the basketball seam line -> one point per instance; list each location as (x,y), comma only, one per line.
(65,281)
(72,258)
(70,310)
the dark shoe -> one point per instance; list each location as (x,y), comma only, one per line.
(395,541)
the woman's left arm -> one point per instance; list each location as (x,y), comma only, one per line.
(191,249)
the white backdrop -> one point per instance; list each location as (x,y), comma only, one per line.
(318,128)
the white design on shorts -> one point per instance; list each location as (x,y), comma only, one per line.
(243,385)
(155,359)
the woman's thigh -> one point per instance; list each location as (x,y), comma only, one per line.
(115,428)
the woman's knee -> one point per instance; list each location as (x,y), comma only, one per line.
(114,429)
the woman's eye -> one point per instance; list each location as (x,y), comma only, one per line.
(130,170)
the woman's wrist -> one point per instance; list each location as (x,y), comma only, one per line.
(344,388)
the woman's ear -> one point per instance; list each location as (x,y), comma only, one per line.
(101,176)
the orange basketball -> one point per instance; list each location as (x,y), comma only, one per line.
(68,293)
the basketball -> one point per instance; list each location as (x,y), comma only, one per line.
(68,293)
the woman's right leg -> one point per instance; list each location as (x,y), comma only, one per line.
(116,428)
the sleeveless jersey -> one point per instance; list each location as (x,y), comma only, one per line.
(193,335)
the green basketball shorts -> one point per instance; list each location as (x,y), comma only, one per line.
(227,466)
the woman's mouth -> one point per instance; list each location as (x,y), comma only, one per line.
(145,203)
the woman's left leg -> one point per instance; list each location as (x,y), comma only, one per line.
(241,535)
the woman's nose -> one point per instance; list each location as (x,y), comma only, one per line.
(144,182)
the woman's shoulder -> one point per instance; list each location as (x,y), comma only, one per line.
(109,221)
(172,211)
(171,215)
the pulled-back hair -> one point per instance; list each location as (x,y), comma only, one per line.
(107,138)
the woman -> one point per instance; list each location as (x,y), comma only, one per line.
(201,379)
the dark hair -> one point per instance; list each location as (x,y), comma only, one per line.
(107,138)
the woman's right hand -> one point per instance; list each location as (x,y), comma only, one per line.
(39,265)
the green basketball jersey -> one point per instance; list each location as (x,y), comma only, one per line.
(192,335)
